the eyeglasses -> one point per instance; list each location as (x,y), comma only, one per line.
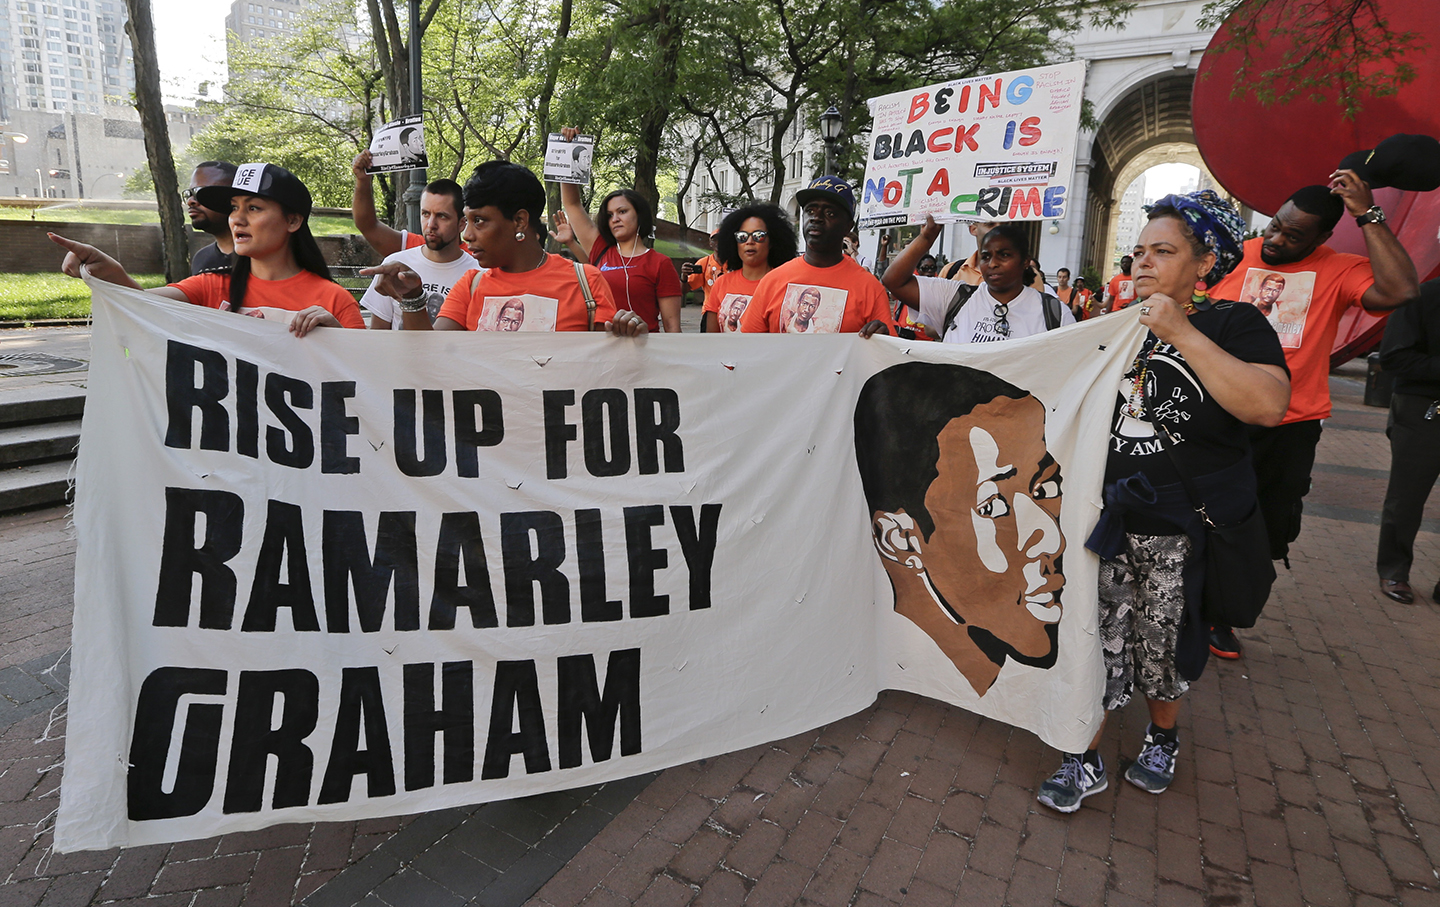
(755,235)
(1002,325)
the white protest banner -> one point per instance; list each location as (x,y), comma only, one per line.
(569,162)
(997,147)
(399,145)
(361,574)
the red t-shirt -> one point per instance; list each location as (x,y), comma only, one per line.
(1304,302)
(1121,292)
(799,298)
(548,298)
(637,283)
(275,300)
(728,298)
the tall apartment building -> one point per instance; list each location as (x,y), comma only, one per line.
(63,55)
(251,21)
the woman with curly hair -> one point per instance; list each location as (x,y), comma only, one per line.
(752,241)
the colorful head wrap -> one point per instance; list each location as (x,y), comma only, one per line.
(1215,221)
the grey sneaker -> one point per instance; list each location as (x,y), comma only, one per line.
(1073,782)
(1154,768)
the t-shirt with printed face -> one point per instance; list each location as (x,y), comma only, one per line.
(1121,292)
(437,277)
(1207,437)
(799,298)
(638,282)
(976,322)
(1303,302)
(275,300)
(729,297)
(548,298)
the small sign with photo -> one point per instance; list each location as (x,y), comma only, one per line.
(398,146)
(569,162)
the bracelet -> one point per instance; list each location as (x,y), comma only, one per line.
(414,303)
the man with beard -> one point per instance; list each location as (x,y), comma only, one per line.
(439,263)
(829,215)
(1268,295)
(219,256)
(1294,243)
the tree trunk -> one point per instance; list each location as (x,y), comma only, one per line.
(669,37)
(174,232)
(547,93)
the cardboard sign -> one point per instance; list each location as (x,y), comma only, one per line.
(399,146)
(998,147)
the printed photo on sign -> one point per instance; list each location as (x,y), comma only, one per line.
(731,308)
(398,146)
(812,310)
(964,499)
(569,162)
(1284,300)
(518,313)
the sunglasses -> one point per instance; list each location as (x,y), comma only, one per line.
(187,194)
(1002,323)
(755,236)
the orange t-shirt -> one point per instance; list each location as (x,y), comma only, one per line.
(275,300)
(799,298)
(729,297)
(548,298)
(410,240)
(1121,292)
(708,270)
(1305,310)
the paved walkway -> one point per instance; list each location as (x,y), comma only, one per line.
(1308,776)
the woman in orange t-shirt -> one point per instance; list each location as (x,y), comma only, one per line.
(279,273)
(752,242)
(522,288)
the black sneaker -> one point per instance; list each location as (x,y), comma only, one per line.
(1155,768)
(1075,780)
(1223,643)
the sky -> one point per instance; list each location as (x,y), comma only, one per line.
(190,35)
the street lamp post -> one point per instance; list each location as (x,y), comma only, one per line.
(415,179)
(831,124)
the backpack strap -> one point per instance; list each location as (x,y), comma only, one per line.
(475,283)
(1051,306)
(957,302)
(589,296)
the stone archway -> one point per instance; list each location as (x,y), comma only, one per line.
(1155,114)
(1163,153)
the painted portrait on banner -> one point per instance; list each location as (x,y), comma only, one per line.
(518,313)
(964,499)
(812,310)
(1283,298)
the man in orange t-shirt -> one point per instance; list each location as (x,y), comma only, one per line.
(701,274)
(1121,291)
(1320,284)
(824,291)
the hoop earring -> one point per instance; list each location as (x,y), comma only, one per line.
(519,236)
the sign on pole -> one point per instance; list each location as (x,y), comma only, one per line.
(997,147)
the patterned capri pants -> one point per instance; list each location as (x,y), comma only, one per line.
(1142,603)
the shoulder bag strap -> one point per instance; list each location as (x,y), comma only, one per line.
(589,297)
(1051,306)
(957,302)
(475,282)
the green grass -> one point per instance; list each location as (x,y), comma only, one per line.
(30,297)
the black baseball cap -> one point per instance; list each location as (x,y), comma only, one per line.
(825,188)
(1403,161)
(263,180)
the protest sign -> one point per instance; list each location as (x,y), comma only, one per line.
(998,147)
(362,574)
(399,145)
(569,162)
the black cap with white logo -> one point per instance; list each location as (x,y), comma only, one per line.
(262,180)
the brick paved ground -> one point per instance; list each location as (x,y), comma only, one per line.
(1308,776)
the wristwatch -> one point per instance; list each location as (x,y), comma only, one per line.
(1373,215)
